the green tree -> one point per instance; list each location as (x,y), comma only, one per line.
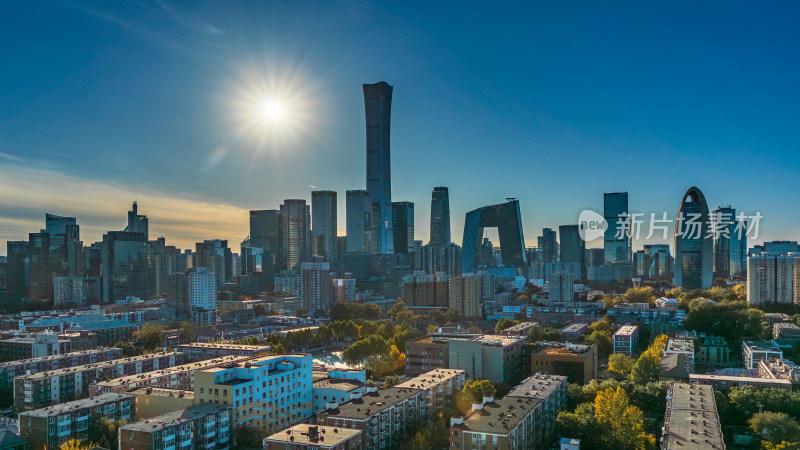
(647,366)
(603,340)
(391,381)
(775,427)
(105,432)
(150,337)
(504,323)
(301,312)
(452,315)
(473,392)
(639,295)
(538,334)
(620,363)
(188,331)
(246,436)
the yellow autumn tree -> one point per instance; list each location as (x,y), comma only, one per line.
(74,444)
(624,421)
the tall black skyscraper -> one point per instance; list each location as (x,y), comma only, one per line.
(323,223)
(137,223)
(508,220)
(547,244)
(265,233)
(440,216)
(694,246)
(572,248)
(403,226)
(617,242)
(378,111)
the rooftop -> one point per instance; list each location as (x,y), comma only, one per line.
(226,346)
(338,383)
(539,386)
(76,405)
(676,365)
(162,392)
(95,366)
(176,417)
(313,434)
(761,346)
(55,357)
(430,379)
(372,403)
(574,327)
(130,379)
(626,330)
(499,416)
(561,348)
(679,346)
(691,419)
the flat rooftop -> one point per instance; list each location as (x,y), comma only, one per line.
(176,417)
(430,379)
(338,383)
(95,366)
(626,330)
(574,327)
(372,403)
(734,379)
(76,405)
(539,386)
(301,434)
(499,416)
(561,348)
(225,346)
(762,346)
(200,365)
(679,345)
(56,357)
(691,419)
(162,392)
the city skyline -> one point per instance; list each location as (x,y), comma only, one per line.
(73,150)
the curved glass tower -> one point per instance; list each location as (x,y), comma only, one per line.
(693,243)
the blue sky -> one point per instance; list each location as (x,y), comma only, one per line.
(551,102)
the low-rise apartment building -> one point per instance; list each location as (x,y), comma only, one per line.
(385,416)
(268,393)
(578,362)
(755,351)
(178,377)
(201,426)
(626,339)
(205,350)
(11,369)
(691,420)
(574,330)
(54,425)
(72,383)
(786,330)
(436,386)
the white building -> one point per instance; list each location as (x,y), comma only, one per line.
(202,290)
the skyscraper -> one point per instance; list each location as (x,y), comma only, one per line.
(136,222)
(617,241)
(126,266)
(316,285)
(215,255)
(693,243)
(506,217)
(323,223)
(465,295)
(359,221)
(773,279)
(547,244)
(296,227)
(730,244)
(378,112)
(265,233)
(440,216)
(573,248)
(403,226)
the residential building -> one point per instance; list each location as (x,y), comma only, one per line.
(437,386)
(786,330)
(681,347)
(54,425)
(316,286)
(344,289)
(726,382)
(51,387)
(574,331)
(713,351)
(561,287)
(755,351)
(268,393)
(205,425)
(626,340)
(577,362)
(378,109)
(520,329)
(339,390)
(202,289)
(779,369)
(11,369)
(304,436)
(385,417)
(773,279)
(155,401)
(691,419)
(464,295)
(201,351)
(492,357)
(421,289)
(10,441)
(216,256)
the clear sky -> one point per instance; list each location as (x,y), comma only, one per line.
(551,102)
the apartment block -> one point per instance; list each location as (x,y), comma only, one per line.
(385,416)
(72,383)
(786,330)
(178,377)
(574,331)
(269,393)
(691,419)
(436,386)
(201,426)
(520,329)
(11,369)
(626,340)
(205,350)
(55,425)
(304,436)
(755,351)
(523,419)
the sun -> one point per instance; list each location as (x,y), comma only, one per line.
(271,110)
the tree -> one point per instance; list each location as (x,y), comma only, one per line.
(301,312)
(624,421)
(150,337)
(647,366)
(452,315)
(188,331)
(603,340)
(391,381)
(538,334)
(74,444)
(473,392)
(620,363)
(504,323)
(246,436)
(775,427)
(638,295)
(105,433)
(260,310)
